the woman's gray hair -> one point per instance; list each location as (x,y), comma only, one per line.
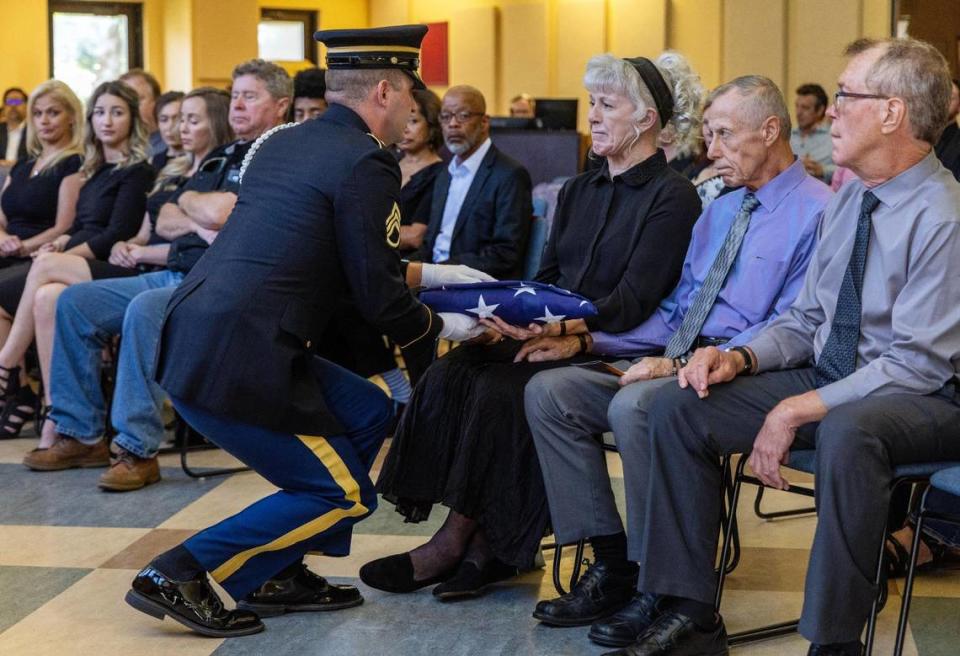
(278,82)
(916,72)
(610,74)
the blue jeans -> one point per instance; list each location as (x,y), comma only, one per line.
(325,487)
(88,316)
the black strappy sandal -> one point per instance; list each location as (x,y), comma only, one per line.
(19,409)
(9,384)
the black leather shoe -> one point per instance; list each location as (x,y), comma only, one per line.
(471,581)
(839,649)
(395,574)
(598,593)
(304,591)
(625,626)
(193,603)
(673,634)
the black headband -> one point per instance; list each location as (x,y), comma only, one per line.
(651,76)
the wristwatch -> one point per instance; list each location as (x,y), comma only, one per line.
(747,359)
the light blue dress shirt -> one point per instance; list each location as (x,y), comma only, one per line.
(764,280)
(461,177)
(818,145)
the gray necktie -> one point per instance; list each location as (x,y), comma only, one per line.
(689,330)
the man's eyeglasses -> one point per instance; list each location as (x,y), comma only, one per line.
(462,117)
(839,97)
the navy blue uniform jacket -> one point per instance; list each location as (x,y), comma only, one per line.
(494,221)
(317,220)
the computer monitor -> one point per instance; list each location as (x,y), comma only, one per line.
(556,113)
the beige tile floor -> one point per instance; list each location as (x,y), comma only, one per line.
(88,616)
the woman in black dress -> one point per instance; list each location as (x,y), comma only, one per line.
(419,167)
(110,207)
(619,237)
(39,197)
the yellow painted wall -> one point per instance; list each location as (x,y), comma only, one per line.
(815,49)
(755,38)
(695,28)
(23,33)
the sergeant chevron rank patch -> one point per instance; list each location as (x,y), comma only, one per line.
(393,227)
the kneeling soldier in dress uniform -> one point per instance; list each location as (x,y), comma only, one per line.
(317,220)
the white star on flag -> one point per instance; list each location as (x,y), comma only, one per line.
(483,311)
(524,289)
(549,317)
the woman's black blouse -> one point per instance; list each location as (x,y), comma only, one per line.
(417,194)
(111,206)
(621,242)
(156,200)
(30,202)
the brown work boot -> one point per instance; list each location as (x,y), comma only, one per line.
(128,472)
(68,453)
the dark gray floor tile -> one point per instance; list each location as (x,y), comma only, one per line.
(498,624)
(72,498)
(25,589)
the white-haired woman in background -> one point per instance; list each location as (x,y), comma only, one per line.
(619,238)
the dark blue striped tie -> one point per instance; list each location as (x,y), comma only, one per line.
(838,359)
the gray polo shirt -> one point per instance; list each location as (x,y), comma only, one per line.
(910,326)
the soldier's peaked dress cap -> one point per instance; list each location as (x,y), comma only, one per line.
(380,47)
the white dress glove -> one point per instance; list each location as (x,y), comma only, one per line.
(435,275)
(459,327)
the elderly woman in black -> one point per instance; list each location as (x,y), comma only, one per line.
(39,197)
(619,238)
(116,177)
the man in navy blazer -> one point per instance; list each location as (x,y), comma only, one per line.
(481,203)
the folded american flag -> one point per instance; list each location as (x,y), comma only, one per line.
(515,301)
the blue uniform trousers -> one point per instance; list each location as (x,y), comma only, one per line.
(324,484)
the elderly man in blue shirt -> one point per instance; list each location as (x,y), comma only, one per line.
(744,267)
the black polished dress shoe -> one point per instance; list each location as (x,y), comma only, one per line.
(625,626)
(302,592)
(854,648)
(673,634)
(193,603)
(471,581)
(599,592)
(395,574)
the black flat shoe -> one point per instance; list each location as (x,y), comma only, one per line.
(599,592)
(302,592)
(395,574)
(625,626)
(673,634)
(193,603)
(471,581)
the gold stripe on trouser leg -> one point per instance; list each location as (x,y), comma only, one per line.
(351,491)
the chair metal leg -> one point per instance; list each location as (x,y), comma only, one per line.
(911,572)
(729,530)
(182,436)
(729,524)
(779,513)
(577,564)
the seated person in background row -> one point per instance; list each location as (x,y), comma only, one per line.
(309,87)
(110,208)
(419,167)
(148,91)
(39,198)
(862,367)
(810,140)
(745,265)
(167,116)
(13,133)
(618,238)
(482,205)
(88,315)
(523,106)
(948,146)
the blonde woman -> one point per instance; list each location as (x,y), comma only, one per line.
(110,206)
(39,197)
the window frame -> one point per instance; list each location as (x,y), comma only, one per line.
(132,10)
(310,20)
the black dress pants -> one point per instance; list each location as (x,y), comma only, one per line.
(858,444)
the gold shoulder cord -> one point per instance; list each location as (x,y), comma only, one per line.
(425,333)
